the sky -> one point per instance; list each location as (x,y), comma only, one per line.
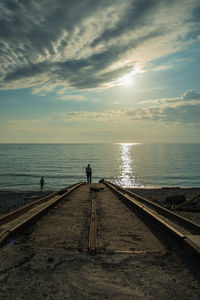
(87,71)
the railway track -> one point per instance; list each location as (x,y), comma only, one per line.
(20,218)
(135,259)
(184,231)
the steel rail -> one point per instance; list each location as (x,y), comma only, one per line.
(92,247)
(18,219)
(187,224)
(166,218)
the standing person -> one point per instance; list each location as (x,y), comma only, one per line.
(89,174)
(41,183)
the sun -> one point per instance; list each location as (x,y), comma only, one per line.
(126,80)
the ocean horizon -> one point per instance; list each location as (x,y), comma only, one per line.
(125,164)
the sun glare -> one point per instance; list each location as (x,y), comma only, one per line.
(126,80)
(128,144)
(126,158)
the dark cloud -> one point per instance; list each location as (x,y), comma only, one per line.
(27,71)
(191,95)
(39,23)
(82,73)
(77,43)
(140,13)
(90,72)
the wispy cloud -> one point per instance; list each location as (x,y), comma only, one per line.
(189,97)
(72,98)
(183,110)
(87,44)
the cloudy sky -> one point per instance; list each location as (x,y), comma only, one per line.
(99,71)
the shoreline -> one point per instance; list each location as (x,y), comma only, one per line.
(150,187)
(130,188)
(12,200)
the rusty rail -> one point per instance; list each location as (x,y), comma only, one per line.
(18,219)
(186,232)
(92,247)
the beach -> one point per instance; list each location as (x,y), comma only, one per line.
(159,196)
(12,200)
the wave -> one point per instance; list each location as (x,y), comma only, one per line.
(71,176)
(144,165)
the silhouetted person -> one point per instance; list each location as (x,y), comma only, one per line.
(41,183)
(89,174)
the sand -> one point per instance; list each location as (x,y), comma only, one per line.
(159,195)
(11,200)
(134,259)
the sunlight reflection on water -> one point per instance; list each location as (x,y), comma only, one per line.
(126,177)
(126,164)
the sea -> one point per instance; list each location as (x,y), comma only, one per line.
(125,164)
